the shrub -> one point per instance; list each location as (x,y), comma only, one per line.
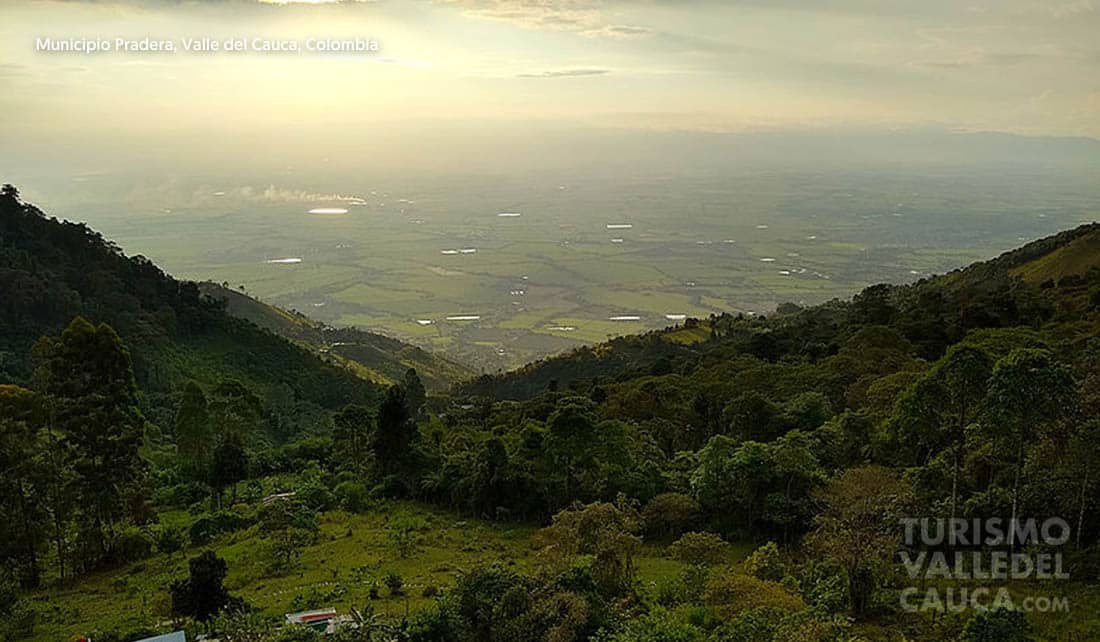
(732,593)
(314,495)
(395,583)
(297,633)
(670,514)
(998,625)
(133,544)
(765,563)
(430,591)
(209,526)
(658,626)
(170,539)
(352,496)
(699,548)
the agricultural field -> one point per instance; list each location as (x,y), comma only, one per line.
(495,272)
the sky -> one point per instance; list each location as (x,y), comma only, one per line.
(487,67)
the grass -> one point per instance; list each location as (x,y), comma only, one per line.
(1075,258)
(353,552)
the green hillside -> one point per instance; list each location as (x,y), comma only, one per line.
(52,271)
(377,357)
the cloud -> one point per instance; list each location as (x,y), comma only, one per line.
(578,16)
(566,73)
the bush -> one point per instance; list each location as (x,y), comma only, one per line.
(430,591)
(314,495)
(732,593)
(395,583)
(670,514)
(19,622)
(170,540)
(352,496)
(765,563)
(209,526)
(658,626)
(699,548)
(297,633)
(183,494)
(133,544)
(998,625)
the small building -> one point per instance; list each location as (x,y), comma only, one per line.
(278,497)
(323,620)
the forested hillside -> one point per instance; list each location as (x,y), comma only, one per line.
(1023,287)
(52,271)
(611,494)
(375,356)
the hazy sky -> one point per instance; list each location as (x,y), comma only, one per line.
(1024,66)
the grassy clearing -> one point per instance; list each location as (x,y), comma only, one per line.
(352,553)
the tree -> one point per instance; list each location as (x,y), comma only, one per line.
(233,408)
(194,433)
(998,625)
(229,465)
(797,468)
(669,514)
(415,395)
(87,371)
(605,531)
(858,526)
(731,593)
(1028,390)
(203,594)
(701,549)
(24,483)
(489,485)
(394,436)
(732,480)
(751,416)
(657,626)
(351,437)
(571,428)
(289,525)
(939,407)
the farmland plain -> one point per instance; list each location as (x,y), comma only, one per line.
(574,252)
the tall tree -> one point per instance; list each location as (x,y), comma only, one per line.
(858,526)
(203,594)
(194,433)
(1028,392)
(88,373)
(351,434)
(24,481)
(394,436)
(236,414)
(415,395)
(571,430)
(229,465)
(938,408)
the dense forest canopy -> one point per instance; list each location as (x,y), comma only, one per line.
(140,422)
